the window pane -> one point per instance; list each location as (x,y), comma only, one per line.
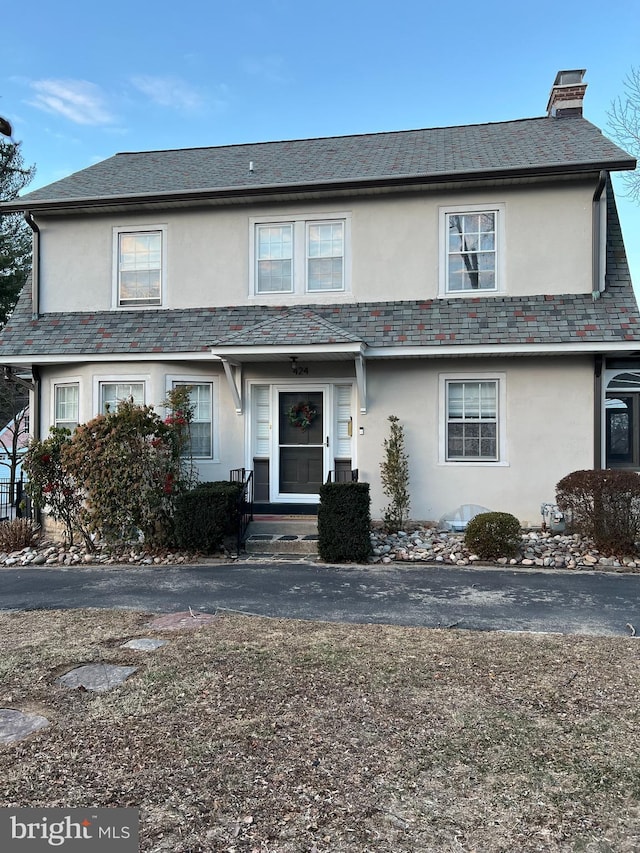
(274,258)
(201,428)
(139,268)
(472,420)
(471,251)
(325,253)
(66,406)
(112,393)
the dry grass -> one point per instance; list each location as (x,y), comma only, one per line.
(273,736)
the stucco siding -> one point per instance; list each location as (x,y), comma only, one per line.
(395,249)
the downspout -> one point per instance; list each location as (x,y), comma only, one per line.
(597,413)
(36,399)
(35,270)
(597,285)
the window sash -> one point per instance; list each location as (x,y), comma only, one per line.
(200,444)
(274,258)
(113,393)
(66,406)
(325,256)
(139,268)
(472,420)
(471,254)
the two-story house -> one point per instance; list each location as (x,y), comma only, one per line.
(470,280)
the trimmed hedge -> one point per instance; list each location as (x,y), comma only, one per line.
(604,506)
(493,534)
(205,515)
(344,523)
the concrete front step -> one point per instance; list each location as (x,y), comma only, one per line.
(282,535)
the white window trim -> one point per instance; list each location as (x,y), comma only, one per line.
(214,381)
(301,222)
(115,266)
(100,379)
(55,383)
(501,379)
(499,209)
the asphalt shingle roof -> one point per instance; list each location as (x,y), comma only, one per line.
(528,144)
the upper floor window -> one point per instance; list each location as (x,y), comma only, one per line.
(139,265)
(66,405)
(295,255)
(471,255)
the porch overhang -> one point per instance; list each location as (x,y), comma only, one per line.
(233,358)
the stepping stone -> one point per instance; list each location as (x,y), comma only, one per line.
(144,644)
(96,676)
(190,620)
(16,725)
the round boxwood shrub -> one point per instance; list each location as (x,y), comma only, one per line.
(493,534)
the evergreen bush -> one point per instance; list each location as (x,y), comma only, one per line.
(493,534)
(205,515)
(394,473)
(604,506)
(344,523)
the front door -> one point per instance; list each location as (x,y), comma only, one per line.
(301,442)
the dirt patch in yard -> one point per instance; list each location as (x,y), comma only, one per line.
(253,735)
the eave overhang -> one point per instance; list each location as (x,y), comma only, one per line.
(272,192)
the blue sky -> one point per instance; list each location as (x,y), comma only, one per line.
(79,85)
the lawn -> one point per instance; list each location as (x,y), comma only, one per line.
(254,735)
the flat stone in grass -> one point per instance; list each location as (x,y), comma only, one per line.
(144,644)
(96,676)
(16,725)
(189,620)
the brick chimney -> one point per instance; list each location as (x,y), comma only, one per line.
(567,94)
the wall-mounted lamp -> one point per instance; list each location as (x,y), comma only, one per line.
(361,430)
(294,363)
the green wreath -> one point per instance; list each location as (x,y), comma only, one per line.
(302,415)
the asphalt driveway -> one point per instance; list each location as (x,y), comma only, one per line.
(430,596)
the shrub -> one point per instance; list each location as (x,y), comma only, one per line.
(604,506)
(394,473)
(52,486)
(344,523)
(17,534)
(205,515)
(493,534)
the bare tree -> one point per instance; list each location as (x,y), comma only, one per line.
(624,123)
(14,431)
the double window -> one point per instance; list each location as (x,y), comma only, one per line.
(139,265)
(471,260)
(472,428)
(295,255)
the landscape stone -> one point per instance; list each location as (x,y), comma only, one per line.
(96,676)
(16,725)
(144,644)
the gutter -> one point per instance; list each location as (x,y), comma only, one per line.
(597,280)
(35,271)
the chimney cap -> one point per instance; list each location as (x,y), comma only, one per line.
(570,78)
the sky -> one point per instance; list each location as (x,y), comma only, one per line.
(79,86)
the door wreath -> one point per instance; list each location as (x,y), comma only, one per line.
(302,415)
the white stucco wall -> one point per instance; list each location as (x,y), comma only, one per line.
(394,252)
(548,423)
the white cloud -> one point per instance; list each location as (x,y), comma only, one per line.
(168,92)
(77,100)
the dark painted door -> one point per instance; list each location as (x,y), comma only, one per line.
(301,441)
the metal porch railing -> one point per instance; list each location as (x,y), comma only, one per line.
(244,512)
